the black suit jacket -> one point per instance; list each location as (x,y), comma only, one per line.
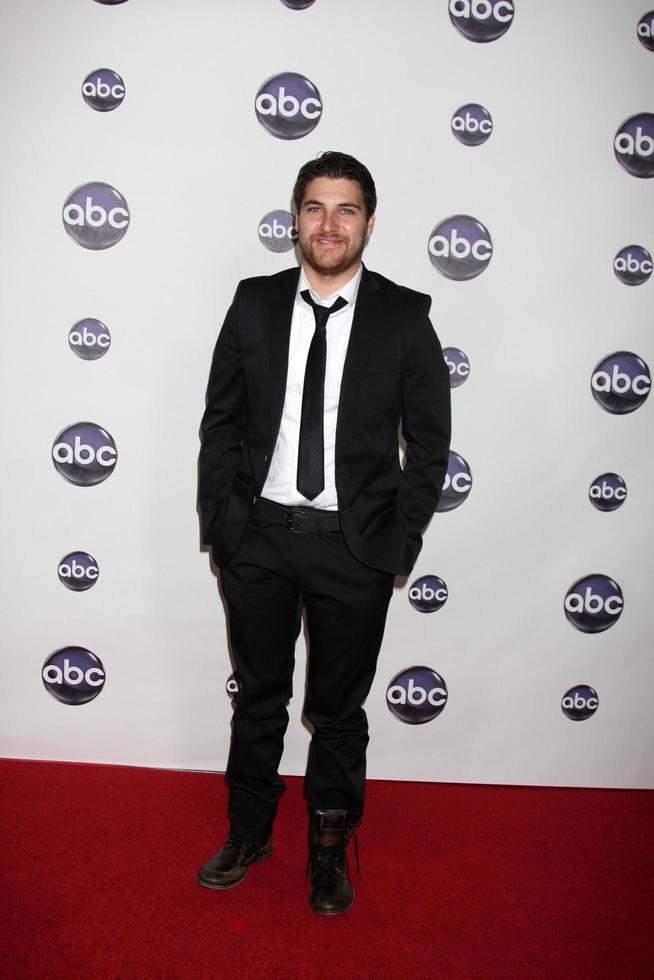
(394,370)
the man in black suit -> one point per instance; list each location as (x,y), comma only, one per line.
(305,504)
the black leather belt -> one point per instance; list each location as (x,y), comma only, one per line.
(302,520)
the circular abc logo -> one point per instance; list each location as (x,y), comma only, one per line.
(298,4)
(457,364)
(233,685)
(288,106)
(95,215)
(633,265)
(472,124)
(579,702)
(427,594)
(73,675)
(593,603)
(416,695)
(460,247)
(481,20)
(645,30)
(103,89)
(634,145)
(89,339)
(608,492)
(84,454)
(277,231)
(621,382)
(110,3)
(457,485)
(78,571)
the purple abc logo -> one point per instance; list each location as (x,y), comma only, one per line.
(84,454)
(645,30)
(457,485)
(580,702)
(78,571)
(607,492)
(634,145)
(110,3)
(621,382)
(593,603)
(288,106)
(95,215)
(457,364)
(460,247)
(427,594)
(103,89)
(233,685)
(298,4)
(472,124)
(277,231)
(633,265)
(73,675)
(89,339)
(416,695)
(481,20)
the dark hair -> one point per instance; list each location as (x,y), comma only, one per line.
(336,166)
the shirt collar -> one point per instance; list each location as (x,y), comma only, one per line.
(348,291)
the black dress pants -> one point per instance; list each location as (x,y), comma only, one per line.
(274,573)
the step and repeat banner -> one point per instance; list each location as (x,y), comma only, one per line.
(151,148)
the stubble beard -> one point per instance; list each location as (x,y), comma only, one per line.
(331,264)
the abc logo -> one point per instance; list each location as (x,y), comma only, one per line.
(645,30)
(277,231)
(73,675)
(579,702)
(233,685)
(457,485)
(84,454)
(298,4)
(427,594)
(481,20)
(457,364)
(103,89)
(416,695)
(608,492)
(89,339)
(621,382)
(288,106)
(110,3)
(633,265)
(95,215)
(472,124)
(460,247)
(593,603)
(634,145)
(78,571)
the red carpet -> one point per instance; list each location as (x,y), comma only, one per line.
(457,881)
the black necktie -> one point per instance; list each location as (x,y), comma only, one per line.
(311,450)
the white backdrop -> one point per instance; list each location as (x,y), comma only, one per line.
(198,172)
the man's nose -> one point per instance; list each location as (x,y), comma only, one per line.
(328,222)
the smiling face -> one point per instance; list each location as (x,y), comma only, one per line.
(333,229)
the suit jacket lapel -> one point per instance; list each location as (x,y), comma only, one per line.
(279,333)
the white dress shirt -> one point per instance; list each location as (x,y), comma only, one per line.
(281,484)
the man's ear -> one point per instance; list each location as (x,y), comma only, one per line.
(371,225)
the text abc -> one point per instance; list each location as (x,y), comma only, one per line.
(86,338)
(646,29)
(287,105)
(629,264)
(620,383)
(482,10)
(641,145)
(416,695)
(424,593)
(101,90)
(603,491)
(593,603)
(73,676)
(95,215)
(468,124)
(460,482)
(458,247)
(83,454)
(75,570)
(277,230)
(462,369)
(579,702)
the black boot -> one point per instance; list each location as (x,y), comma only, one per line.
(331,891)
(230,865)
